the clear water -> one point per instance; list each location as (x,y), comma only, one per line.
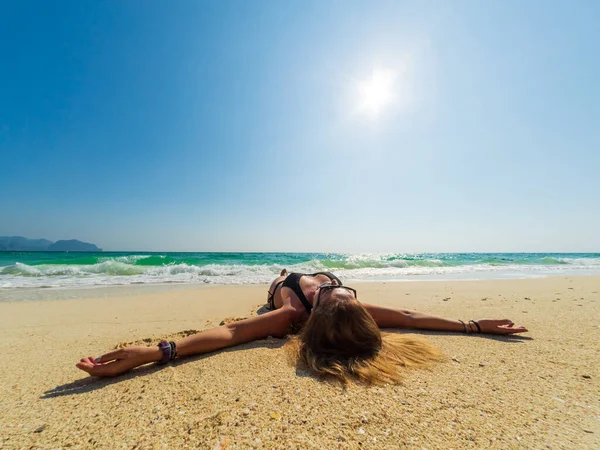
(62,270)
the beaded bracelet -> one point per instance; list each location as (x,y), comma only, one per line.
(167,352)
(173,350)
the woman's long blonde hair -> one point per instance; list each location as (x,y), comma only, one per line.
(341,340)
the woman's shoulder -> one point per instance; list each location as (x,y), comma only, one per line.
(297,312)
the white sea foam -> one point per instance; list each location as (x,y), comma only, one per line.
(366,267)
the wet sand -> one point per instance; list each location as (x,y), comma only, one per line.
(540,390)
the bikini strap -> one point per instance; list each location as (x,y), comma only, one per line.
(330,276)
(293,282)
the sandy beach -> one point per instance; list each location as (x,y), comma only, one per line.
(539,390)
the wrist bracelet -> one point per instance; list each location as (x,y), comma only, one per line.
(464,325)
(477,325)
(167,352)
(173,350)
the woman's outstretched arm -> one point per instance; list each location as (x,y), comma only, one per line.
(275,323)
(393,317)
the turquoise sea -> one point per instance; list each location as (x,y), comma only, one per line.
(65,270)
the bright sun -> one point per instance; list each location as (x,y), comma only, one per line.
(377,92)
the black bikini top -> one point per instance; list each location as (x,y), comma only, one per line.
(293,282)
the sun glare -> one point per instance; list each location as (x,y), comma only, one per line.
(377,92)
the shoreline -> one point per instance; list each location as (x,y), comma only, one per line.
(528,391)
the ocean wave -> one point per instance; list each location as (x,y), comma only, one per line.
(592,262)
(262,268)
(369,260)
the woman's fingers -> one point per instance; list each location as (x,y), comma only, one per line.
(117,361)
(102,365)
(85,363)
(499,326)
(88,361)
(112,368)
(110,356)
(511,329)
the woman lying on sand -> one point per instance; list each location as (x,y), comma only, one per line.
(340,337)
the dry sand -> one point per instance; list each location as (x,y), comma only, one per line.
(538,391)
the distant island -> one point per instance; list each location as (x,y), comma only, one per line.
(21,244)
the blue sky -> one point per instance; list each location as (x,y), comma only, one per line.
(240,126)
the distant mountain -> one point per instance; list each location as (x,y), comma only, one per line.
(73,245)
(21,244)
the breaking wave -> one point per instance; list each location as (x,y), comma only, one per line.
(72,270)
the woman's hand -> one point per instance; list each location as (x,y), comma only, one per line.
(496,326)
(119,361)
